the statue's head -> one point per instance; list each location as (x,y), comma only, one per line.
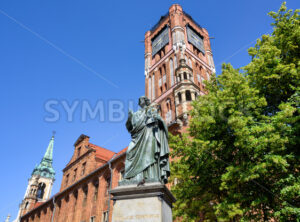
(144,101)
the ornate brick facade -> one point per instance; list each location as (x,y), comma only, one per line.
(83,196)
(178,58)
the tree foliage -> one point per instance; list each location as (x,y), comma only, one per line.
(239,160)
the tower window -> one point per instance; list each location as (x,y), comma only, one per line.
(26,205)
(179,97)
(184,75)
(41,191)
(188,95)
(179,78)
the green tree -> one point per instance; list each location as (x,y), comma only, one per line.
(239,160)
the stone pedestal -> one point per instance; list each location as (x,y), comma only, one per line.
(149,203)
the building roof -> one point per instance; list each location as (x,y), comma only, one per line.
(101,152)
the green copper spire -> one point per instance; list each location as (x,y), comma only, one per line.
(45,169)
(49,153)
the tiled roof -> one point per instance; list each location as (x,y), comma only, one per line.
(122,151)
(101,152)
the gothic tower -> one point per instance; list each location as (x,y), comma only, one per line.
(40,183)
(178,58)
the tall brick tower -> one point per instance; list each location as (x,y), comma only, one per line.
(40,183)
(178,58)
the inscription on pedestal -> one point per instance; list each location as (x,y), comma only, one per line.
(145,209)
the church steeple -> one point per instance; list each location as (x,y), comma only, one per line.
(45,169)
(40,183)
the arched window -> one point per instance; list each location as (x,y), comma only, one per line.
(179,97)
(171,72)
(179,78)
(184,75)
(26,205)
(41,191)
(175,62)
(188,95)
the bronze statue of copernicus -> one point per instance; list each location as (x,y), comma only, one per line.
(147,156)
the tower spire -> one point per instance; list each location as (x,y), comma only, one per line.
(45,168)
(49,152)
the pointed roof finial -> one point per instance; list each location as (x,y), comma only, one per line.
(53,133)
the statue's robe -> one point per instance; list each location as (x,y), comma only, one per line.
(147,156)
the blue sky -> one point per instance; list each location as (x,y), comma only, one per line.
(63,51)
